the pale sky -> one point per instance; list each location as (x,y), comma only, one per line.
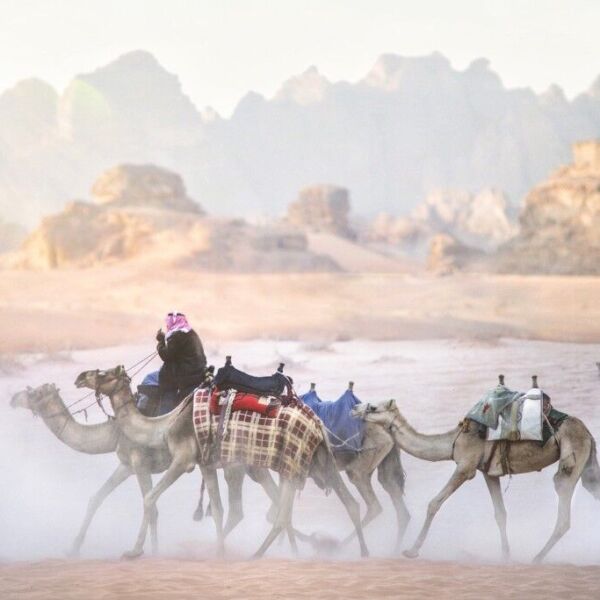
(221,49)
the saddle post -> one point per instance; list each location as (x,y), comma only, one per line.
(280,367)
(351,386)
(228,360)
(534,381)
(312,387)
(501,379)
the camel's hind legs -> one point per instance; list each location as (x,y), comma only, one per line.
(493,484)
(365,489)
(391,477)
(121,473)
(459,476)
(570,467)
(284,516)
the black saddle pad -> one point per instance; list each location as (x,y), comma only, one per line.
(229,377)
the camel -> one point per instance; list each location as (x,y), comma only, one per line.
(105,438)
(378,452)
(177,430)
(572,446)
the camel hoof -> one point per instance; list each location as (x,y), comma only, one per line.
(410,553)
(132,554)
(364,553)
(537,560)
(73,553)
(198,514)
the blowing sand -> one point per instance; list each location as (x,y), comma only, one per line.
(46,486)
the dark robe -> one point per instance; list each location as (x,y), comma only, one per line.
(184,363)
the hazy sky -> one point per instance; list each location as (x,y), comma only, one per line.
(222,48)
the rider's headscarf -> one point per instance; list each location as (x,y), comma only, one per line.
(176,321)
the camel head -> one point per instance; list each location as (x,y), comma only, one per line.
(35,399)
(104,382)
(383,413)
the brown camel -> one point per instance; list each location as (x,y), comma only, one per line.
(178,431)
(105,438)
(572,446)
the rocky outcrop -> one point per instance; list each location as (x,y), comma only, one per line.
(560,221)
(479,220)
(447,255)
(143,213)
(147,186)
(321,208)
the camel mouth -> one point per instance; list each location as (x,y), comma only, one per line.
(80,382)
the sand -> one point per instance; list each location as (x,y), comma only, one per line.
(46,487)
(124,304)
(157,579)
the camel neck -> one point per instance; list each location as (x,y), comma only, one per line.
(427,447)
(100,438)
(146,431)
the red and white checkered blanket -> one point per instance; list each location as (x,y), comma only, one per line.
(285,443)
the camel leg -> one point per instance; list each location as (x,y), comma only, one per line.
(352,508)
(172,474)
(493,484)
(391,478)
(121,473)
(265,480)
(212,486)
(199,512)
(283,519)
(459,476)
(365,489)
(234,476)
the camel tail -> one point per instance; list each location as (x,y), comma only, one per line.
(591,473)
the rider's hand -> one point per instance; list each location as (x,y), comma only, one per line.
(160,336)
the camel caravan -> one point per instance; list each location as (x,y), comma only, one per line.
(257,426)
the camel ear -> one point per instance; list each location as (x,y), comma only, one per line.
(391,405)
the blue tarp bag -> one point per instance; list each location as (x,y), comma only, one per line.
(345,432)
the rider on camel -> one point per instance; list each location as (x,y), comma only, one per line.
(184,361)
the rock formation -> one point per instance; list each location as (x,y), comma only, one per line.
(560,221)
(148,186)
(479,220)
(144,213)
(321,208)
(447,255)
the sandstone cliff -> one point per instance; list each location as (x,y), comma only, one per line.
(560,221)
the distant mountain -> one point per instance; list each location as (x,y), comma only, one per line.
(410,126)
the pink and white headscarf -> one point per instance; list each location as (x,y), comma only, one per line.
(176,321)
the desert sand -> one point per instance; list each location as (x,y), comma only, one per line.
(46,487)
(123,304)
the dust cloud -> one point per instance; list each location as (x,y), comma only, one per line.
(46,485)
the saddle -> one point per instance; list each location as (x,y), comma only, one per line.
(233,390)
(228,377)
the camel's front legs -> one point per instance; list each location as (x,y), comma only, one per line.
(365,489)
(493,484)
(172,474)
(459,476)
(121,473)
(352,508)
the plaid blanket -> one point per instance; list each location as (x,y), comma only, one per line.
(285,443)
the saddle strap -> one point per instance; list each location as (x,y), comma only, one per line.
(488,462)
